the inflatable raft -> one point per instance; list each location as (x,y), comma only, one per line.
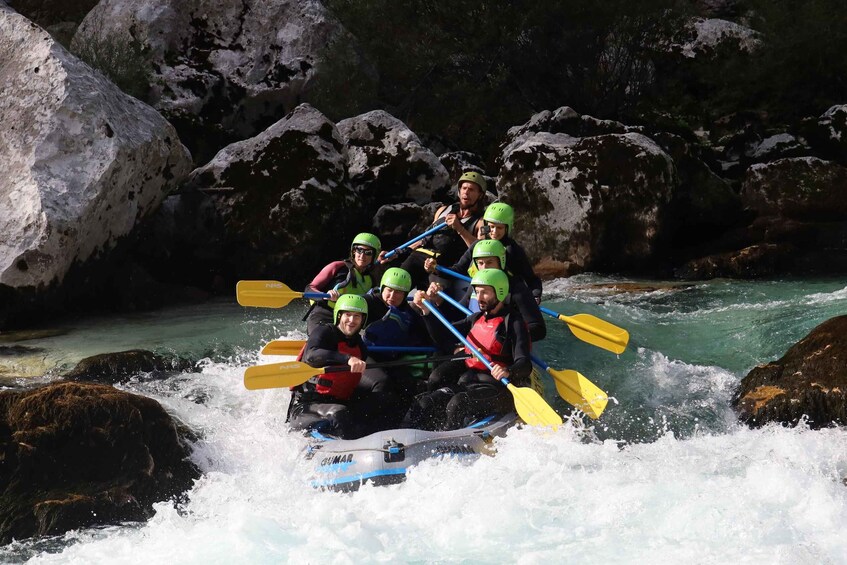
(384,457)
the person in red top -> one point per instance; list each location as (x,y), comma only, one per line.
(332,402)
(351,276)
(463,391)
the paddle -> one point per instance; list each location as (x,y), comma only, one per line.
(293,347)
(269,294)
(294,373)
(529,405)
(414,240)
(576,389)
(571,385)
(586,327)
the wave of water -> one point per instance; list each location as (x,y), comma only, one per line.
(665,475)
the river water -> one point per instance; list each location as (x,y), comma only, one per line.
(667,475)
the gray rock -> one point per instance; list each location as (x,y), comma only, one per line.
(595,202)
(84,163)
(225,70)
(705,37)
(803,188)
(386,161)
(258,207)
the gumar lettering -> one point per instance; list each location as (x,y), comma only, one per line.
(346,458)
(452,450)
(274,285)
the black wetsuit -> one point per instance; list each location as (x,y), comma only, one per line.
(360,414)
(447,245)
(459,394)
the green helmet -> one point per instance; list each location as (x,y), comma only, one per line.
(500,213)
(396,278)
(367,239)
(494,278)
(490,248)
(350,303)
(474,177)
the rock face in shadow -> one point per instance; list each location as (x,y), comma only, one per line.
(118,366)
(810,381)
(75,455)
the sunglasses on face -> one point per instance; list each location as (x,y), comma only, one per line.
(366,251)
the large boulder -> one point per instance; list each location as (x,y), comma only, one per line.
(273,205)
(83,162)
(804,188)
(226,70)
(809,381)
(111,368)
(828,133)
(594,201)
(386,161)
(710,37)
(76,455)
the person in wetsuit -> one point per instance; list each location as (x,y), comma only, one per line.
(332,402)
(393,322)
(463,391)
(350,276)
(463,221)
(498,224)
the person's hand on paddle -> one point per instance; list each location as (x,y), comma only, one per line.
(417,302)
(430,265)
(333,294)
(356,365)
(499,372)
(454,222)
(432,293)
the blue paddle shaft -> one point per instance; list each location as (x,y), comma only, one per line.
(544,366)
(428,232)
(459,336)
(447,271)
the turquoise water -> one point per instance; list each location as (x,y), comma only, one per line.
(665,475)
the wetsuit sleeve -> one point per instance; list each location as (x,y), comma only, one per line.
(521,368)
(322,348)
(323,281)
(520,266)
(530,312)
(444,340)
(461,266)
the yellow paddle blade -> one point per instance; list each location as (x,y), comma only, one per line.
(279,375)
(580,392)
(532,408)
(595,331)
(283,347)
(264,294)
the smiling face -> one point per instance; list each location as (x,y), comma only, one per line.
(496,231)
(362,256)
(350,323)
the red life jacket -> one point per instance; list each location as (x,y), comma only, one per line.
(483,336)
(341,384)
